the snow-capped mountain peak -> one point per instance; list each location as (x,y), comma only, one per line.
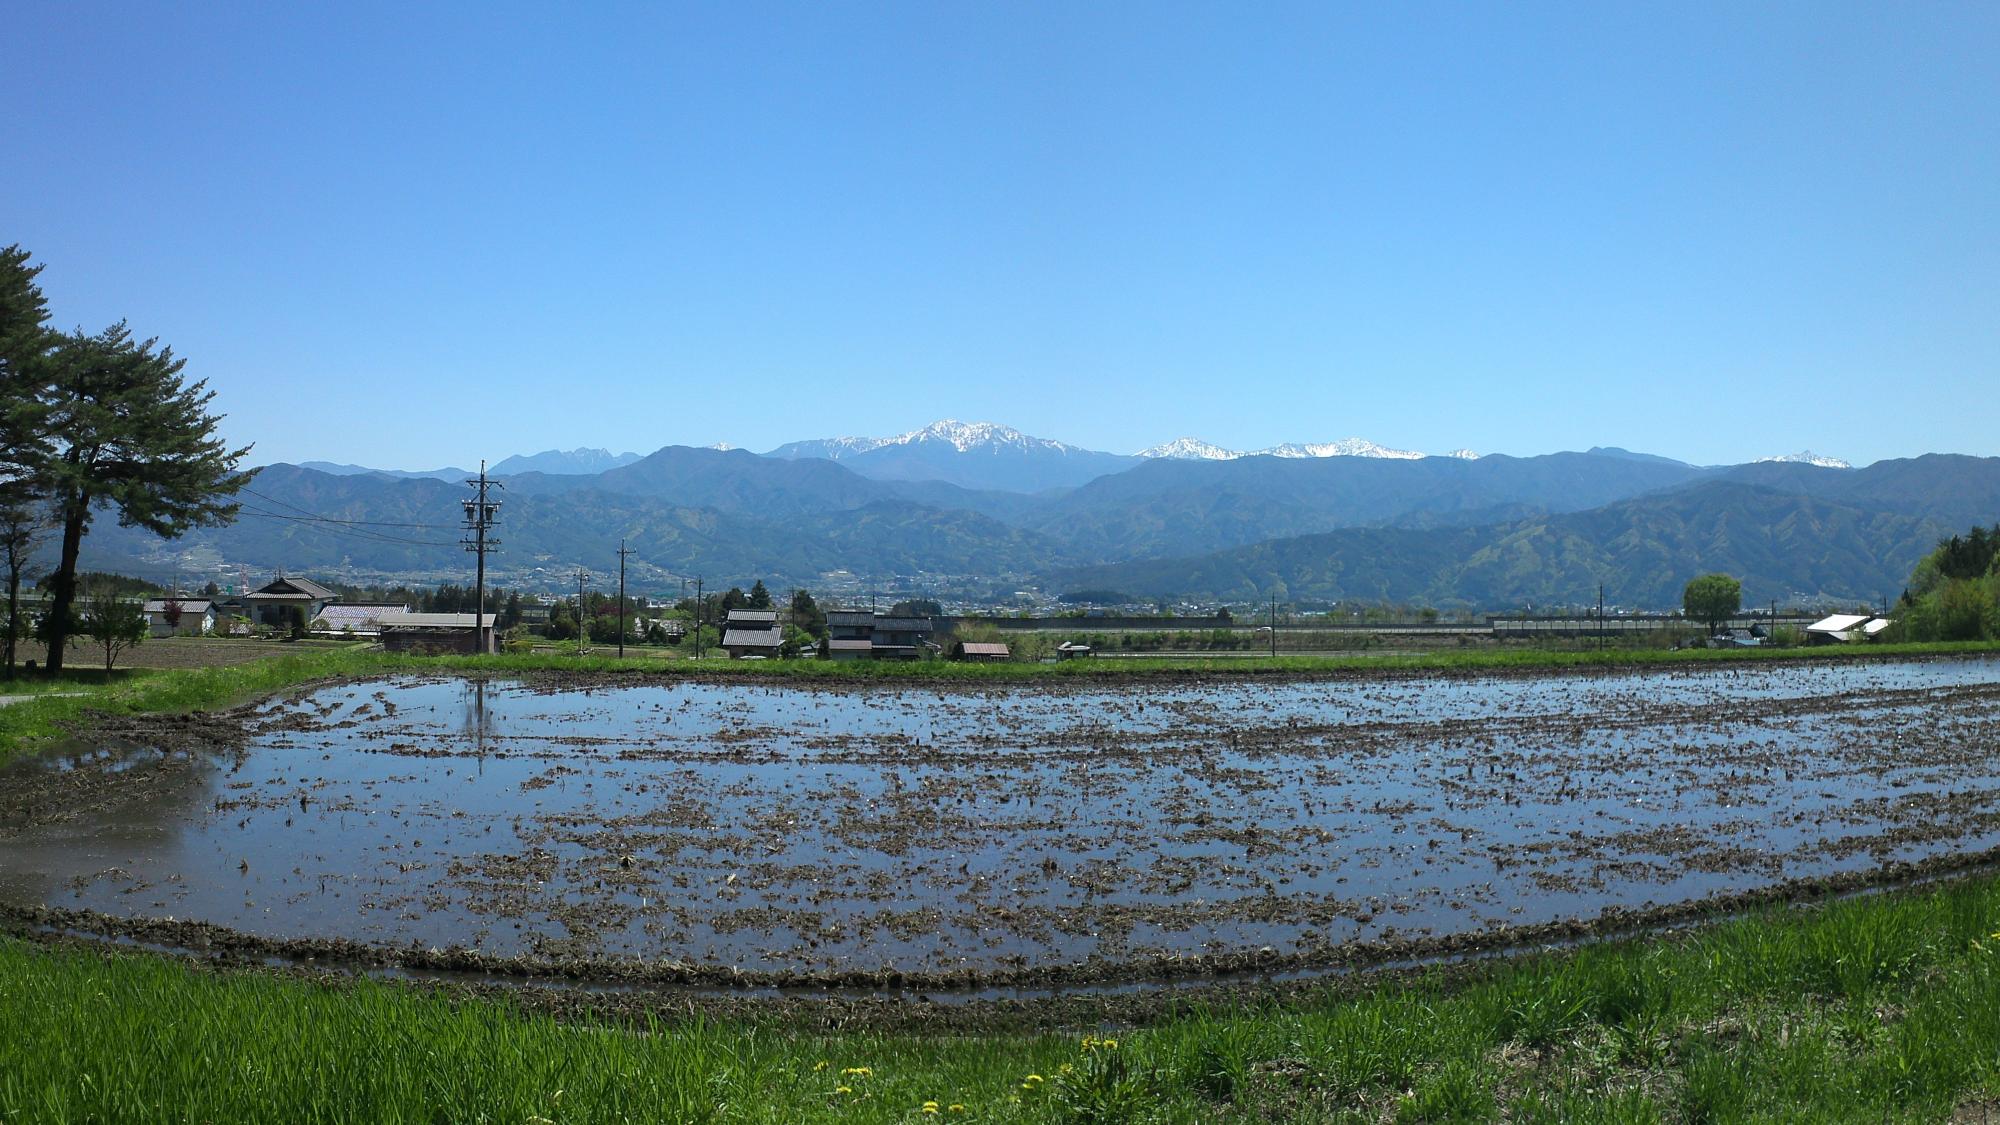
(1807,457)
(1189,449)
(968,436)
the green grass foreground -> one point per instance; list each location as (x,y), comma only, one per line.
(145,691)
(1882,1008)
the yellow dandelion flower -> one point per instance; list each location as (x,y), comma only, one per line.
(843,1089)
(819,1066)
(1108,1044)
(955,1107)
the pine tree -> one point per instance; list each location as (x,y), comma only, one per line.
(129,434)
(24,348)
(760,598)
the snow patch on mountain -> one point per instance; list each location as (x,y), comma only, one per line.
(1807,457)
(1345,447)
(1188,449)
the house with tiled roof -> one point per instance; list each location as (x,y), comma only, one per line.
(272,604)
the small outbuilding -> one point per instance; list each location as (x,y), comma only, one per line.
(847,648)
(433,633)
(1837,628)
(355,620)
(1071,650)
(980,652)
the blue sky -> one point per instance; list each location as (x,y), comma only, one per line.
(416,235)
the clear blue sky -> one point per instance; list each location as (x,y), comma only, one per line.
(413,235)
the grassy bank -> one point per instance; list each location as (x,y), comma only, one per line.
(1869,1009)
(75,698)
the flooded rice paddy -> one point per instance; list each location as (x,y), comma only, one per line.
(779,833)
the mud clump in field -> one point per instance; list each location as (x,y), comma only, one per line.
(935,837)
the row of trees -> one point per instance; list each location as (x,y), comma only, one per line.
(91,423)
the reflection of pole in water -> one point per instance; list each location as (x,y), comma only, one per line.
(476,721)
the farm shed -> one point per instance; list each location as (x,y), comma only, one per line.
(980,652)
(435,632)
(1834,629)
(845,648)
(359,620)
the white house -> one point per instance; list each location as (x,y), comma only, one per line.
(185,617)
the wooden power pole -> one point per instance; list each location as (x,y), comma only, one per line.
(621,598)
(480,514)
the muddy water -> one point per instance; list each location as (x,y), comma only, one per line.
(790,829)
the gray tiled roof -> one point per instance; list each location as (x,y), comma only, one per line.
(752,638)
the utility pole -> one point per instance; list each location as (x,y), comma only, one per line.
(700,614)
(621,598)
(582,634)
(1274,626)
(1600,616)
(480,514)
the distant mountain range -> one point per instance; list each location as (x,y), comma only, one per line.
(557,462)
(986,456)
(973,506)
(332,469)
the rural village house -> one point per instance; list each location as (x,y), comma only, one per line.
(197,617)
(752,633)
(271,605)
(862,635)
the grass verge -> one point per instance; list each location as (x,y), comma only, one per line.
(1880,1008)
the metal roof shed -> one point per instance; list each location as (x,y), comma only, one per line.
(1836,627)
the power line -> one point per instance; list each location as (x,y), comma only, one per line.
(334,529)
(310,514)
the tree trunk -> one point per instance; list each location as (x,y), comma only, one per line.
(13,613)
(64,586)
